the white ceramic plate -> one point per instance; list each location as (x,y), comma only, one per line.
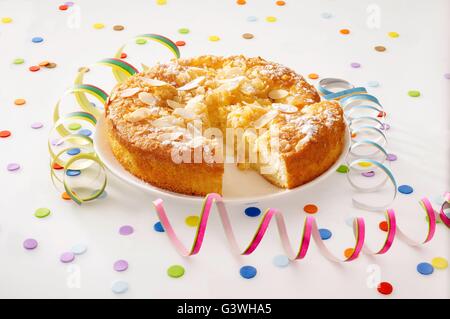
(238,186)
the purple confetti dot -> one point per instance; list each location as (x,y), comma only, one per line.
(121,265)
(67,257)
(37,125)
(368,174)
(57,142)
(30,243)
(391,157)
(12,167)
(355,65)
(126,230)
(69,4)
(447,76)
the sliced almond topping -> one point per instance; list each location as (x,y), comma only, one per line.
(236,79)
(173,104)
(285,108)
(129,92)
(154,82)
(265,119)
(278,94)
(163,122)
(192,85)
(170,136)
(187,114)
(139,115)
(147,98)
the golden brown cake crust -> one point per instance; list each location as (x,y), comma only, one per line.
(151,114)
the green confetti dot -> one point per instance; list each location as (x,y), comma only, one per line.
(42,212)
(175,271)
(141,41)
(18,61)
(74,126)
(414,93)
(183,30)
(342,169)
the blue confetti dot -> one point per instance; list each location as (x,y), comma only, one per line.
(252,19)
(74,151)
(425,268)
(326,15)
(37,40)
(325,233)
(73,172)
(79,249)
(405,189)
(85,132)
(119,287)
(373,84)
(281,261)
(158,227)
(248,272)
(252,211)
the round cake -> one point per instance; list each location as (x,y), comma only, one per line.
(175,125)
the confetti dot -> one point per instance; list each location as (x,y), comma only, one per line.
(252,19)
(439,262)
(342,169)
(325,233)
(141,41)
(12,167)
(73,151)
(73,172)
(36,125)
(326,15)
(447,76)
(57,166)
(271,19)
(119,287)
(180,43)
(311,209)
(51,65)
(118,27)
(348,252)
(349,221)
(67,257)
(18,61)
(161,2)
(252,211)
(385,288)
(63,7)
(373,84)
(425,269)
(175,271)
(241,2)
(384,226)
(393,34)
(344,31)
(85,132)
(414,93)
(280,3)
(44,63)
(42,212)
(74,126)
(213,38)
(380,48)
(192,221)
(248,36)
(79,249)
(405,189)
(281,261)
(313,76)
(34,68)
(19,101)
(158,227)
(98,26)
(30,243)
(126,230)
(65,196)
(368,174)
(391,157)
(37,40)
(7,20)
(355,65)
(5,134)
(120,265)
(183,30)
(248,272)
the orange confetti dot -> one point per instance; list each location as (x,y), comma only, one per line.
(311,209)
(123,55)
(34,68)
(57,166)
(344,31)
(44,63)
(65,196)
(180,43)
(384,226)
(353,135)
(280,3)
(348,252)
(19,101)
(241,2)
(313,76)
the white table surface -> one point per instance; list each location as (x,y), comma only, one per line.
(301,39)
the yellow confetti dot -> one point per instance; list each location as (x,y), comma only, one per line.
(439,262)
(393,34)
(161,2)
(214,38)
(365,164)
(192,221)
(271,19)
(98,26)
(6,20)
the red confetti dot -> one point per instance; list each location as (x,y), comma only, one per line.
(310,209)
(5,134)
(385,288)
(63,7)
(383,226)
(123,55)
(180,43)
(57,166)
(34,68)
(381,114)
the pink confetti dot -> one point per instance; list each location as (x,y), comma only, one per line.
(355,65)
(67,257)
(368,174)
(37,125)
(30,243)
(391,157)
(447,76)
(13,167)
(120,265)
(126,230)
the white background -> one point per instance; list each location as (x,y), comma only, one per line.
(301,39)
